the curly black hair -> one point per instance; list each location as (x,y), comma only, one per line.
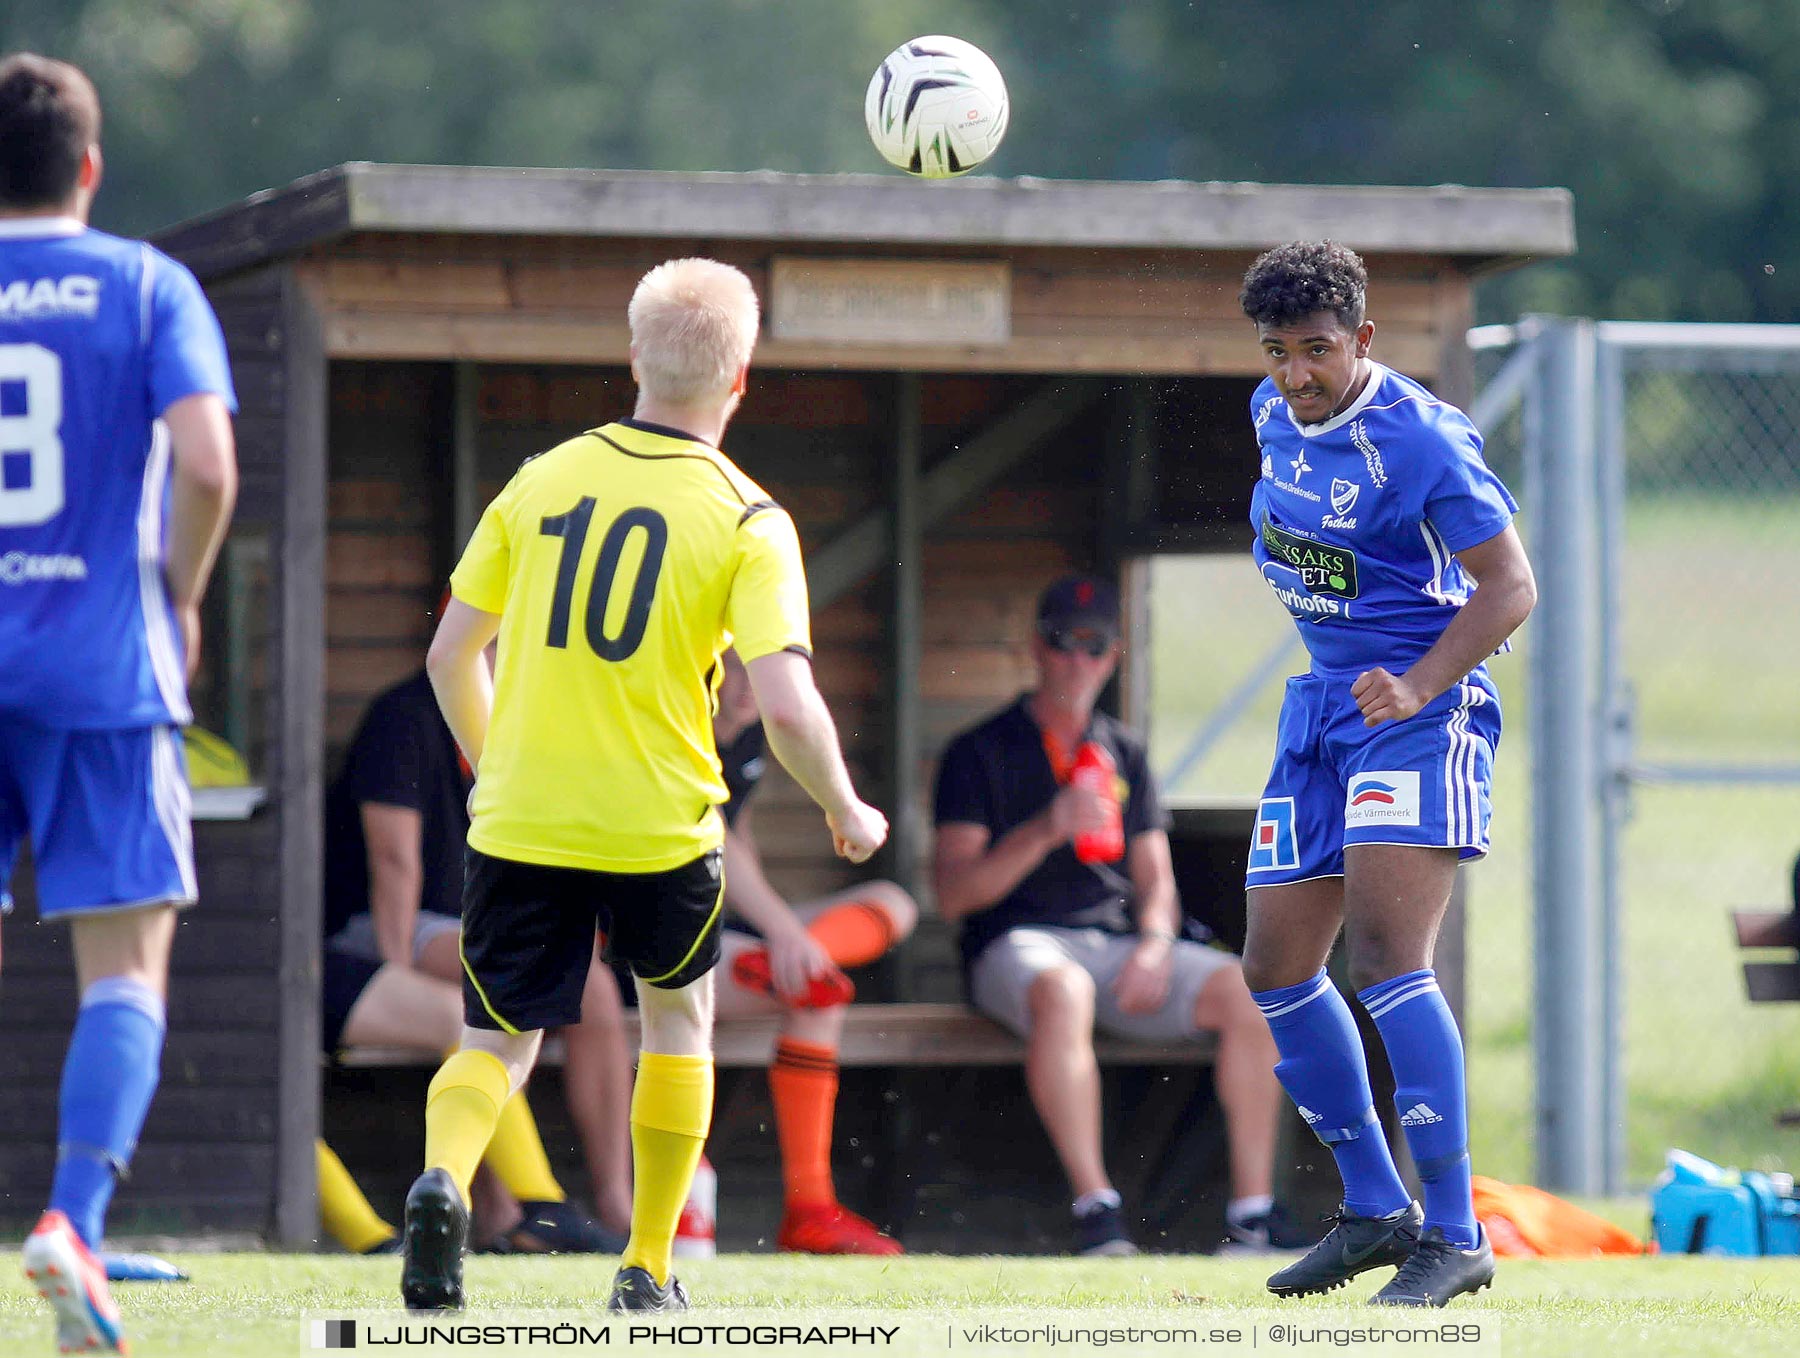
(1296,280)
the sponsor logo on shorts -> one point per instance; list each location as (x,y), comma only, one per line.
(1307,1115)
(1272,843)
(1383,797)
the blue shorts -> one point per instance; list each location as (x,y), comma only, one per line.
(108,816)
(1425,780)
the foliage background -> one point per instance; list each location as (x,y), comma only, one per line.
(1673,121)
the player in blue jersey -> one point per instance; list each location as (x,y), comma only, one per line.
(117,476)
(1386,536)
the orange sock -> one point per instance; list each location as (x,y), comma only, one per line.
(853,934)
(803,1082)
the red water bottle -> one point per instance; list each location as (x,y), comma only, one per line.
(1094,768)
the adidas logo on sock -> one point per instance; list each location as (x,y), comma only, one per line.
(1419,1115)
(1307,1113)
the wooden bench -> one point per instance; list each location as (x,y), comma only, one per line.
(1765,981)
(929,1063)
(1771,982)
(875,1035)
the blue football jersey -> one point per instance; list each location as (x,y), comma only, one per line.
(98,337)
(1358,518)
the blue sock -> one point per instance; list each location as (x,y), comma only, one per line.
(109,1076)
(1426,1053)
(1323,1070)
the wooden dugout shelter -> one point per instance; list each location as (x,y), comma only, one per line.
(961,391)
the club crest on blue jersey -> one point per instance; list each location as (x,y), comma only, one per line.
(1343,500)
(1272,843)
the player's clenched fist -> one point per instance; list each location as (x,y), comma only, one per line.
(857,831)
(1381,696)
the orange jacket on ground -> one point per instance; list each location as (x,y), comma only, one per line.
(1527,1223)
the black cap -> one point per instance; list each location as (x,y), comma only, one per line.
(1080,601)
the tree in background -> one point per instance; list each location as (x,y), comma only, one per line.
(1676,124)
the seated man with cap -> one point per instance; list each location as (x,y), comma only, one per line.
(1055,947)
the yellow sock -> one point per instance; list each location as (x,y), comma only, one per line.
(462,1109)
(671,1112)
(343,1210)
(517,1155)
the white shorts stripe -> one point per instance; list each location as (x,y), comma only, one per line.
(1462,793)
(174,805)
(1472,776)
(1452,739)
(159,632)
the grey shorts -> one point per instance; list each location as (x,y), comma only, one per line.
(357,937)
(1000,980)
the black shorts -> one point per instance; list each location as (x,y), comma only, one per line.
(528,934)
(343,978)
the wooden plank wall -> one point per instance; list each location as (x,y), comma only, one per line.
(562,300)
(387,524)
(206,1160)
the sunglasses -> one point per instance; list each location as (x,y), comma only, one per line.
(1091,644)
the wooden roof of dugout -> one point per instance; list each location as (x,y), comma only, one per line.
(1481,227)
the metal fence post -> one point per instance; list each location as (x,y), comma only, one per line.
(1613,732)
(1569,1030)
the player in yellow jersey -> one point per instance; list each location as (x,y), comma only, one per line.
(615,569)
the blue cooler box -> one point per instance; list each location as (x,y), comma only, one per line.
(1699,1208)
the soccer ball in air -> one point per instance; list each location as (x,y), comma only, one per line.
(936,107)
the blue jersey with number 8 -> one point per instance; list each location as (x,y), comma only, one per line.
(98,337)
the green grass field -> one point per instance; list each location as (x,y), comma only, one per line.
(252,1305)
(1711,653)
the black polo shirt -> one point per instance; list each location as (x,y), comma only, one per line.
(402,755)
(998,775)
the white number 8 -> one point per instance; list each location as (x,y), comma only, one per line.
(36,433)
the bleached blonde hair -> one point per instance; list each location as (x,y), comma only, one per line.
(693,325)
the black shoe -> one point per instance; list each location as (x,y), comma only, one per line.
(437,1228)
(1100,1232)
(635,1290)
(1270,1232)
(559,1228)
(1355,1244)
(1439,1271)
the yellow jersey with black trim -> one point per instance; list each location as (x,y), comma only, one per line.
(621,563)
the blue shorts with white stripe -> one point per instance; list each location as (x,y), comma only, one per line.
(1424,781)
(108,813)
